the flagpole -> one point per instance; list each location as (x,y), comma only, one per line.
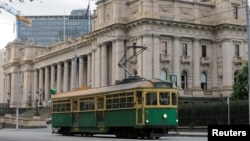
(89,14)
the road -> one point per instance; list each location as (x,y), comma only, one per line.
(44,134)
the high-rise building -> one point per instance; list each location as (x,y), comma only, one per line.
(54,28)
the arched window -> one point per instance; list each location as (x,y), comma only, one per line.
(184,80)
(164,75)
(203,81)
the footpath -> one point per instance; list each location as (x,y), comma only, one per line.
(199,131)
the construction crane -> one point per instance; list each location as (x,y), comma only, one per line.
(16,13)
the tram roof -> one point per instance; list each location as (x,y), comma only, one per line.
(126,86)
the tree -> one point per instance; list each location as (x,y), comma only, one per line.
(240,86)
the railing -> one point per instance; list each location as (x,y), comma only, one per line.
(205,61)
(165,58)
(237,60)
(185,59)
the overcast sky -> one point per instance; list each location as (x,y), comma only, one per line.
(36,7)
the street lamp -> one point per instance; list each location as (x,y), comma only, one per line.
(29,95)
(36,99)
(8,101)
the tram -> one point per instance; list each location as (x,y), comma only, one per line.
(141,109)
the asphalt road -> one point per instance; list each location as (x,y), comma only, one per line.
(45,134)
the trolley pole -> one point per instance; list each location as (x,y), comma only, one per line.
(248,40)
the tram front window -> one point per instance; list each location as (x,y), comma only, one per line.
(151,98)
(164,98)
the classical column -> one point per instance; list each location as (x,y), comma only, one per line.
(47,86)
(93,69)
(41,79)
(89,83)
(155,55)
(97,67)
(35,81)
(52,80)
(81,66)
(118,52)
(66,76)
(147,62)
(227,63)
(104,67)
(176,59)
(59,71)
(196,63)
(8,83)
(214,66)
(15,87)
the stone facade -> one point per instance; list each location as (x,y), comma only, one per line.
(203,42)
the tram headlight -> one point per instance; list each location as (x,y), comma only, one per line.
(164,116)
(147,121)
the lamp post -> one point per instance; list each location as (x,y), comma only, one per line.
(29,95)
(8,101)
(36,99)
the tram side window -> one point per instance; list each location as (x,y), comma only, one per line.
(164,98)
(122,100)
(75,105)
(174,99)
(100,103)
(61,106)
(87,104)
(139,97)
(151,98)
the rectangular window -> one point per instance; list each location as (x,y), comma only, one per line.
(204,51)
(235,12)
(164,48)
(122,100)
(87,103)
(237,50)
(174,99)
(184,49)
(164,98)
(151,98)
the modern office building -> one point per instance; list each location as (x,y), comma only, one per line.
(45,30)
(202,42)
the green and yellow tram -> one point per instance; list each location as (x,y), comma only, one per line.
(142,109)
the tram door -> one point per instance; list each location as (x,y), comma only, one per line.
(100,111)
(139,108)
(75,112)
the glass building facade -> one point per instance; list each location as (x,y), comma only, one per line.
(45,30)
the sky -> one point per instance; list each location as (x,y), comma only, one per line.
(36,7)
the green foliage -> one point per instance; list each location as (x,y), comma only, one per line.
(239,88)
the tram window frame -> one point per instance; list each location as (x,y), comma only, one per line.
(164,98)
(139,97)
(120,100)
(87,104)
(149,100)
(100,103)
(62,106)
(174,98)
